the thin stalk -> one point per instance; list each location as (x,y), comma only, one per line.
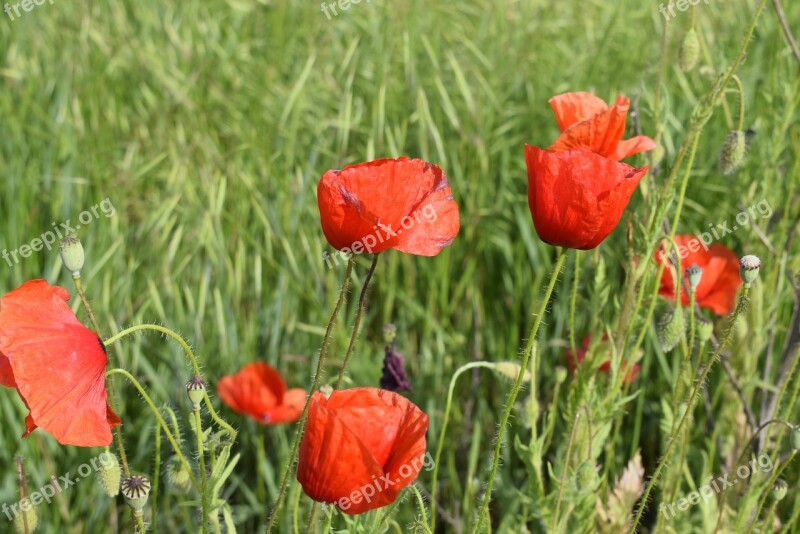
(198,430)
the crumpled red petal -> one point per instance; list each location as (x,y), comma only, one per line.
(58,365)
(259,391)
(399,203)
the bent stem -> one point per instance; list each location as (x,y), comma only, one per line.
(160,419)
(440,443)
(166,331)
(689,409)
(526,355)
(323,353)
(357,322)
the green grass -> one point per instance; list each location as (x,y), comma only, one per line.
(208,123)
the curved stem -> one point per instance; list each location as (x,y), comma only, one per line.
(529,349)
(440,443)
(689,408)
(323,353)
(166,331)
(739,89)
(421,503)
(357,322)
(160,419)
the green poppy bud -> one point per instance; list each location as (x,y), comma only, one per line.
(136,489)
(27,518)
(732,154)
(72,255)
(671,329)
(561,374)
(389,333)
(748,269)
(110,473)
(689,53)
(510,371)
(177,474)
(704,329)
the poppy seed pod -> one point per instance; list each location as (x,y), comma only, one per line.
(72,255)
(694,274)
(56,364)
(748,268)
(360,448)
(689,52)
(196,390)
(135,490)
(779,490)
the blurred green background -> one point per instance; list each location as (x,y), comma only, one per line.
(207,124)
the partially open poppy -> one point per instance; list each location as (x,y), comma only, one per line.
(401,203)
(258,390)
(574,359)
(361,447)
(56,364)
(577,188)
(720,281)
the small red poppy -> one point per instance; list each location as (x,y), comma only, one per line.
(258,390)
(576,358)
(56,364)
(720,281)
(577,188)
(401,203)
(361,447)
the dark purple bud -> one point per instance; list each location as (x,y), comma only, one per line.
(394,372)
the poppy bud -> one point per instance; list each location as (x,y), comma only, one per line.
(389,333)
(109,474)
(136,489)
(72,255)
(510,370)
(196,389)
(704,329)
(690,51)
(671,329)
(561,374)
(748,268)
(732,154)
(779,490)
(177,474)
(796,438)
(695,274)
(25,519)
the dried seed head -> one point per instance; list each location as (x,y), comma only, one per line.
(689,53)
(394,377)
(72,255)
(733,150)
(136,489)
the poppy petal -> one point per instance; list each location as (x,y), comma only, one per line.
(571,108)
(600,133)
(58,364)
(6,373)
(634,145)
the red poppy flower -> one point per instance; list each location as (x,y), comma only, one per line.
(56,364)
(720,281)
(577,188)
(402,203)
(258,390)
(586,121)
(361,447)
(576,358)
